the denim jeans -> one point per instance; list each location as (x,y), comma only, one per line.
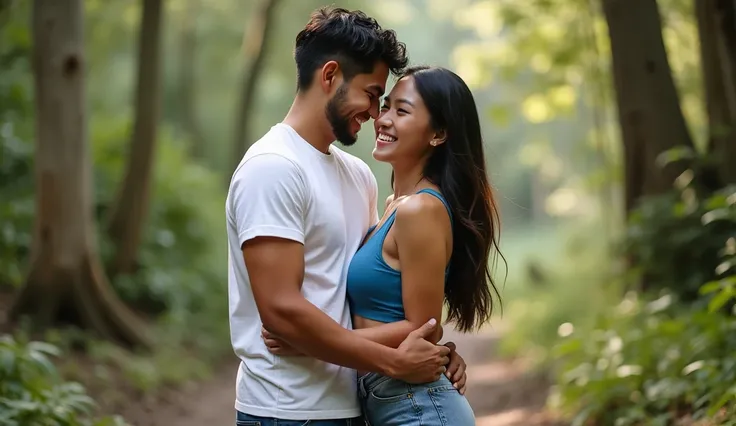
(243,419)
(390,402)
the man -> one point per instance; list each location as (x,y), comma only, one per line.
(297,210)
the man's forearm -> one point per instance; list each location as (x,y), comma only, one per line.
(392,334)
(309,330)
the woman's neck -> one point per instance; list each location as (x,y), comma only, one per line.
(407,179)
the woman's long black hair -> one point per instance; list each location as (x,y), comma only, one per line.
(458,168)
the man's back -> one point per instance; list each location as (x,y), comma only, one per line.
(286,188)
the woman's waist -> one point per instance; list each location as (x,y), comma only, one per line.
(370,382)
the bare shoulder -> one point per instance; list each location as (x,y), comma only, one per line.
(421,212)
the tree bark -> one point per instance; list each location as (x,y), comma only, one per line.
(66,281)
(255,45)
(650,116)
(187,77)
(717,31)
(125,226)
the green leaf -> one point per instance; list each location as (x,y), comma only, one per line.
(44,347)
(673,155)
(720,299)
(714,215)
(710,287)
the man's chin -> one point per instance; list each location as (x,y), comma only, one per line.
(348,141)
(346,138)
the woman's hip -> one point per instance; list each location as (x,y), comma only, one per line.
(387,401)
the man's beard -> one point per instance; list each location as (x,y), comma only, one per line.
(340,124)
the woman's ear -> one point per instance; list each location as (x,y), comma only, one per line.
(439,138)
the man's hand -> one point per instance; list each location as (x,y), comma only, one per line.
(277,346)
(456,369)
(420,361)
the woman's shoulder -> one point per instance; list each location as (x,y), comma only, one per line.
(420,212)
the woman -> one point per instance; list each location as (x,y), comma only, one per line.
(433,244)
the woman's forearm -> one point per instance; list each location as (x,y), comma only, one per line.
(392,334)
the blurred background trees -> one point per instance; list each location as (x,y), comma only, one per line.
(610,137)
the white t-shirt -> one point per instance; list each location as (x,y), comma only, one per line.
(284,187)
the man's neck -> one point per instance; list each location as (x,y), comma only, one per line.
(309,122)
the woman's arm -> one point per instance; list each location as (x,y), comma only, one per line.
(422,232)
(392,334)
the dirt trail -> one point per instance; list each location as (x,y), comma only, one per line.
(500,392)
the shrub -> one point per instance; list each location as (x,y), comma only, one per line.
(31,392)
(648,361)
(653,360)
(674,239)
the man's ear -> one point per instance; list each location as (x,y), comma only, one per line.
(329,76)
(439,138)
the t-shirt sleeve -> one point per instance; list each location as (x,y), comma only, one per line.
(268,199)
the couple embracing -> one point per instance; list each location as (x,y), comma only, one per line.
(334,312)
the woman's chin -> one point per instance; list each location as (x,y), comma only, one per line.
(382,154)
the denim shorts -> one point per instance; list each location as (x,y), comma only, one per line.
(243,419)
(388,402)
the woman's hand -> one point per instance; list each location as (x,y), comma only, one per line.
(279,347)
(456,369)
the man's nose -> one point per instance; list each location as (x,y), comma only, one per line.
(374,111)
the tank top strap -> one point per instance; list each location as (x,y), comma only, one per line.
(439,196)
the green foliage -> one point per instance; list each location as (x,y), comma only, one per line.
(31,391)
(676,239)
(656,360)
(649,360)
(182,228)
(182,259)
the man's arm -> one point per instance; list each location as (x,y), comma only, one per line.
(276,269)
(269,199)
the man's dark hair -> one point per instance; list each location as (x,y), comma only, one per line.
(351,38)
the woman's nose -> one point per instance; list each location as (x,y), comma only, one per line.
(383,119)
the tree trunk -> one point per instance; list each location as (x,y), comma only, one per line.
(650,117)
(187,77)
(125,226)
(255,46)
(717,30)
(66,281)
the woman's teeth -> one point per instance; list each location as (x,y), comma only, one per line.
(386,138)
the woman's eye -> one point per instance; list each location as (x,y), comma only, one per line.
(403,111)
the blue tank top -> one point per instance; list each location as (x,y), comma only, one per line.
(374,287)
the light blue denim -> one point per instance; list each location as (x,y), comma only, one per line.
(390,402)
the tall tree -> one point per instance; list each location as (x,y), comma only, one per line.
(649,112)
(126,222)
(717,31)
(66,281)
(255,46)
(187,76)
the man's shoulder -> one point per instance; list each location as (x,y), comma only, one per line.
(275,142)
(272,150)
